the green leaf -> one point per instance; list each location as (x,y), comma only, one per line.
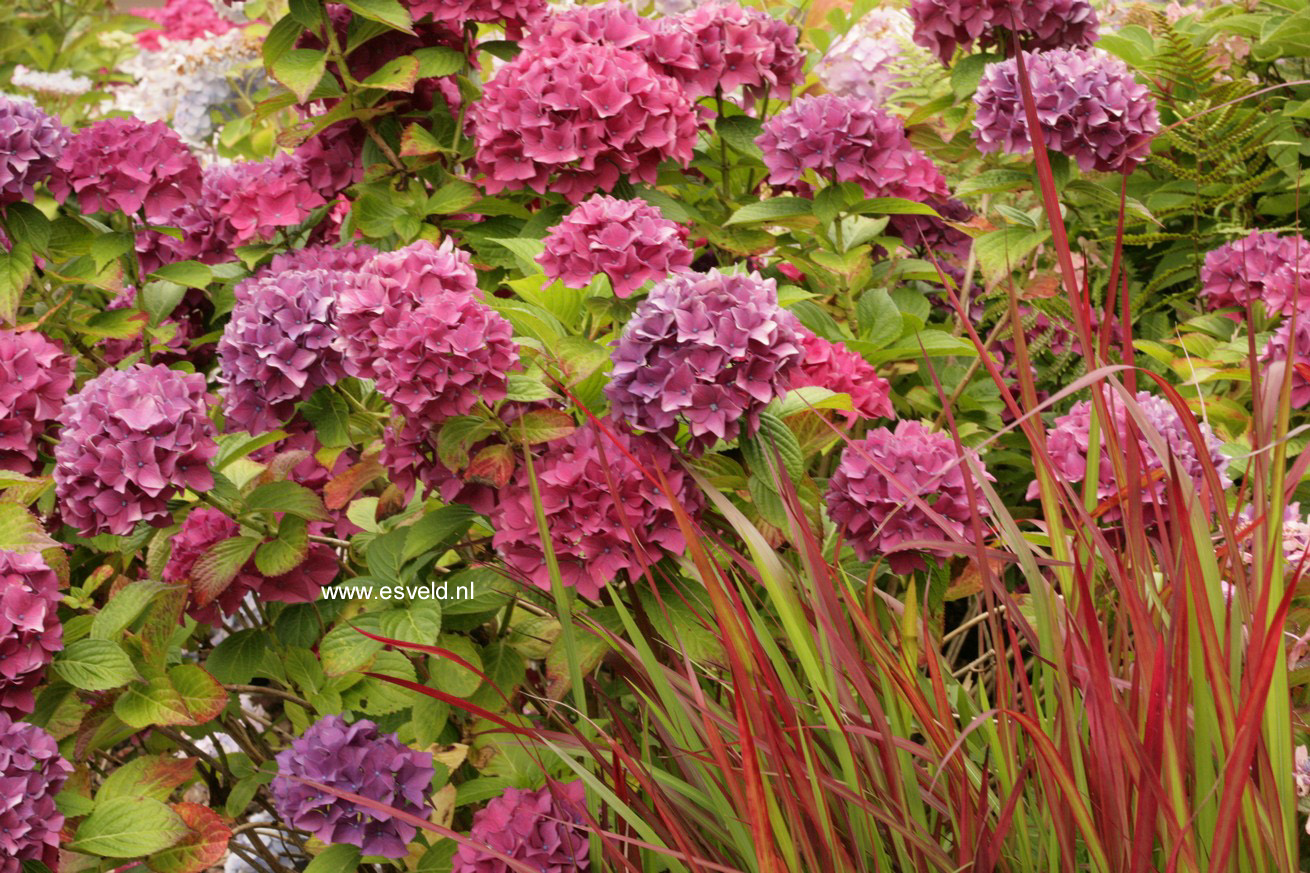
(774,439)
(204,845)
(288,551)
(880,319)
(439,60)
(457,436)
(1000,251)
(186,696)
(308,12)
(770,210)
(417,140)
(993,182)
(385,556)
(128,827)
(452,197)
(20,531)
(16,268)
(526,251)
(110,247)
(192,274)
(967,72)
(397,74)
(450,676)
(544,425)
(218,566)
(94,665)
(236,660)
(346,650)
(123,608)
(892,206)
(330,415)
(300,71)
(159,299)
(339,858)
(147,776)
(740,132)
(287,497)
(440,528)
(27,224)
(388,12)
(935,343)
(415,623)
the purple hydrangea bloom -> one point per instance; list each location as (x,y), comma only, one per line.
(629,241)
(252,200)
(279,346)
(536,828)
(1067,443)
(870,496)
(1088,103)
(587,498)
(203,238)
(30,632)
(1293,349)
(35,376)
(32,772)
(31,144)
(359,759)
(1262,266)
(942,25)
(873,59)
(126,165)
(132,439)
(848,139)
(709,350)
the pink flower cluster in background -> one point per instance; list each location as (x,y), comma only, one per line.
(534,828)
(941,26)
(1269,267)
(31,144)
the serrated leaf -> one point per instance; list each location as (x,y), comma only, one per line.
(128,827)
(236,659)
(20,531)
(892,206)
(330,415)
(439,528)
(147,776)
(94,665)
(388,12)
(452,197)
(544,425)
(417,140)
(218,566)
(299,70)
(771,210)
(493,465)
(397,74)
(335,859)
(192,274)
(457,436)
(740,132)
(16,268)
(159,299)
(774,438)
(436,61)
(186,696)
(123,608)
(203,846)
(287,552)
(109,247)
(345,650)
(287,497)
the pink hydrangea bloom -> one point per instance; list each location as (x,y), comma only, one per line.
(132,440)
(611,23)
(535,828)
(942,25)
(871,495)
(629,241)
(253,199)
(350,258)
(1262,266)
(1088,103)
(1293,349)
(848,139)
(35,376)
(30,632)
(873,59)
(31,144)
(32,773)
(514,14)
(708,350)
(331,159)
(833,366)
(126,165)
(725,46)
(586,498)
(574,119)
(180,20)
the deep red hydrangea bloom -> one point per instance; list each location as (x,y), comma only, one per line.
(1068,440)
(279,346)
(1089,105)
(331,159)
(1293,349)
(360,759)
(727,47)
(32,772)
(708,350)
(350,258)
(31,144)
(205,528)
(253,199)
(629,241)
(574,119)
(126,165)
(942,25)
(833,366)
(1262,266)
(132,440)
(188,320)
(589,486)
(848,139)
(35,376)
(180,20)
(537,828)
(30,632)
(514,14)
(871,496)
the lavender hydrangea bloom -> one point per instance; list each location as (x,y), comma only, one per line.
(279,346)
(848,139)
(32,772)
(1262,266)
(30,632)
(1293,349)
(943,25)
(359,759)
(31,144)
(710,350)
(132,439)
(629,241)
(873,59)
(870,496)
(1088,103)
(537,828)
(35,376)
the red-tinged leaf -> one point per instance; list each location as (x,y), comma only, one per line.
(148,776)
(282,464)
(493,466)
(544,425)
(204,845)
(186,696)
(343,487)
(162,617)
(417,141)
(218,566)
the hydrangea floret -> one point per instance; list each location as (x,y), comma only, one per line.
(35,377)
(1264,266)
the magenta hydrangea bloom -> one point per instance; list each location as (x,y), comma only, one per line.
(279,346)
(1262,266)
(514,14)
(611,23)
(132,439)
(833,366)
(31,144)
(871,495)
(204,238)
(331,159)
(575,118)
(729,47)
(32,772)
(35,376)
(848,139)
(1068,440)
(30,632)
(1088,103)
(357,758)
(126,165)
(586,498)
(536,828)
(629,241)
(180,20)
(1293,349)
(942,25)
(709,350)
(350,258)
(254,199)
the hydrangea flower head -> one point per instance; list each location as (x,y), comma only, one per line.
(31,143)
(871,495)
(360,759)
(873,59)
(30,632)
(943,25)
(126,165)
(132,440)
(576,118)
(835,367)
(180,20)
(1088,103)
(537,828)
(708,350)
(32,772)
(514,14)
(255,198)
(611,23)
(1293,349)
(35,376)
(1261,266)
(62,83)
(349,258)
(730,47)
(596,500)
(629,241)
